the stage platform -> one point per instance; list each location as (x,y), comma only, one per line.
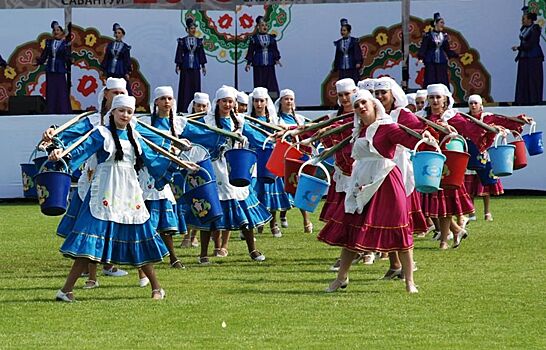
(20,134)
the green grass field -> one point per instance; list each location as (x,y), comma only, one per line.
(488,294)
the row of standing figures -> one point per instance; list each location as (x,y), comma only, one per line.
(263,55)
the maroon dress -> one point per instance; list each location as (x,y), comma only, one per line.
(344,162)
(472,181)
(419,222)
(384,224)
(456,202)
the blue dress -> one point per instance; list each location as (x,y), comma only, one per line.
(109,241)
(163,214)
(241,208)
(67,137)
(271,195)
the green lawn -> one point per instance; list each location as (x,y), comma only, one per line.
(488,294)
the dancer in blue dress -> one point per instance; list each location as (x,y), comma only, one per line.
(113,88)
(162,204)
(272,195)
(113,224)
(242,209)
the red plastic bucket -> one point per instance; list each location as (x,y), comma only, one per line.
(282,150)
(455,164)
(520,153)
(291,169)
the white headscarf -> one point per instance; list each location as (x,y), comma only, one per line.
(112,83)
(345,85)
(411,98)
(387,83)
(201,98)
(367,84)
(161,91)
(421,93)
(121,101)
(262,93)
(284,92)
(242,97)
(475,98)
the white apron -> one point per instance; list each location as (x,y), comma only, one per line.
(402,158)
(226,191)
(369,170)
(115,192)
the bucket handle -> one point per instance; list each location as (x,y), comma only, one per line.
(50,161)
(499,135)
(270,137)
(196,145)
(188,173)
(454,136)
(296,137)
(518,137)
(319,164)
(433,144)
(533,127)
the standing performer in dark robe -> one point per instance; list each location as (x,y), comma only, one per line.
(435,53)
(348,58)
(56,55)
(263,55)
(190,59)
(530,81)
(117,58)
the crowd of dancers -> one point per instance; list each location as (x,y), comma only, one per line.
(124,209)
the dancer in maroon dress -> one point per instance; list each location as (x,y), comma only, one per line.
(472,182)
(375,215)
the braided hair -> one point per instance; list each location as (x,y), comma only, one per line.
(171,119)
(103,111)
(236,123)
(253,114)
(139,164)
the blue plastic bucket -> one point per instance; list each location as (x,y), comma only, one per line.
(199,155)
(502,158)
(455,143)
(28,171)
(52,189)
(533,141)
(427,169)
(241,163)
(486,176)
(477,160)
(203,198)
(310,189)
(263,156)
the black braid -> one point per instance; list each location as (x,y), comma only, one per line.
(267,115)
(171,123)
(113,130)
(154,115)
(103,110)
(339,111)
(234,119)
(139,163)
(217,117)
